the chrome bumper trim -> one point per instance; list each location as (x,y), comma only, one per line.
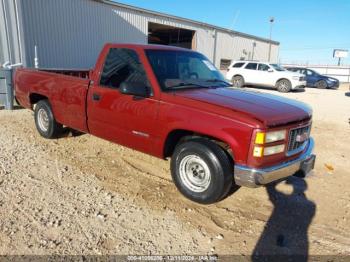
(250,177)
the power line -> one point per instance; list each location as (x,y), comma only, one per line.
(316,48)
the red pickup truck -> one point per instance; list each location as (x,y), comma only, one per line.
(173,103)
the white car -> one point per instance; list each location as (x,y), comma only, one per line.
(264,74)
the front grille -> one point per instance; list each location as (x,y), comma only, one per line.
(302,78)
(295,146)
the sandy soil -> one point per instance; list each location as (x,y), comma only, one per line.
(84,195)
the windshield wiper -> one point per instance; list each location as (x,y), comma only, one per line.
(215,80)
(185,85)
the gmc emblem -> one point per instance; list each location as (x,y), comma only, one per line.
(302,137)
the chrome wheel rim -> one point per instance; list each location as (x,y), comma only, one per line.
(322,84)
(195,173)
(284,85)
(237,82)
(43,120)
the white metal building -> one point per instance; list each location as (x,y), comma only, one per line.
(71,33)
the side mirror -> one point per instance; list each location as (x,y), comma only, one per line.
(135,89)
(270,70)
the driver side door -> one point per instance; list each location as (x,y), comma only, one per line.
(124,119)
(311,77)
(265,75)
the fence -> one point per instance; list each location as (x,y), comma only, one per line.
(6,91)
(342,73)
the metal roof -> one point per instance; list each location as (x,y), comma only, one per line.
(142,10)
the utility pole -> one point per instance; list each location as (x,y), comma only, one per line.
(254,45)
(36,59)
(272,20)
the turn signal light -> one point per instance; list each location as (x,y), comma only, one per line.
(258,151)
(260,138)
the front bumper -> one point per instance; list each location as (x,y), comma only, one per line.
(298,84)
(333,84)
(250,177)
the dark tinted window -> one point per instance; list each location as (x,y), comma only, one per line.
(122,65)
(263,67)
(238,65)
(251,66)
(298,70)
(278,68)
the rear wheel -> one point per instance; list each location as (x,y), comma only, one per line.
(321,84)
(202,171)
(238,81)
(45,121)
(284,85)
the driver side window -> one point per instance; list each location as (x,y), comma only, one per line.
(122,65)
(263,67)
(309,73)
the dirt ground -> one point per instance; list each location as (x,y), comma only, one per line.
(83,195)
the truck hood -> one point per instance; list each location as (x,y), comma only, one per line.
(269,109)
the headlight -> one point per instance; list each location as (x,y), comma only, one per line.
(296,77)
(260,151)
(264,138)
(273,150)
(269,137)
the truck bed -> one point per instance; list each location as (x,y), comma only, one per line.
(81,73)
(66,89)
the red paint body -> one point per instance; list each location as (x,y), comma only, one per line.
(232,116)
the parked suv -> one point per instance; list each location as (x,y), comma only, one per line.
(315,79)
(264,74)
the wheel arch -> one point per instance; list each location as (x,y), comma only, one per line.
(282,78)
(321,80)
(34,98)
(177,136)
(238,74)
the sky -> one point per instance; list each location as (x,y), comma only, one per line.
(308,30)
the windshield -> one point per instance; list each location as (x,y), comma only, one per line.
(278,67)
(313,72)
(182,69)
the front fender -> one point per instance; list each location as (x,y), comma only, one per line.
(235,134)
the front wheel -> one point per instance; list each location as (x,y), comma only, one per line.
(238,81)
(321,84)
(45,121)
(202,171)
(284,86)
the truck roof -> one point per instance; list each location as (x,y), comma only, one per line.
(146,46)
(252,61)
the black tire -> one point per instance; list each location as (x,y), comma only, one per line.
(284,86)
(45,121)
(238,81)
(214,159)
(322,84)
